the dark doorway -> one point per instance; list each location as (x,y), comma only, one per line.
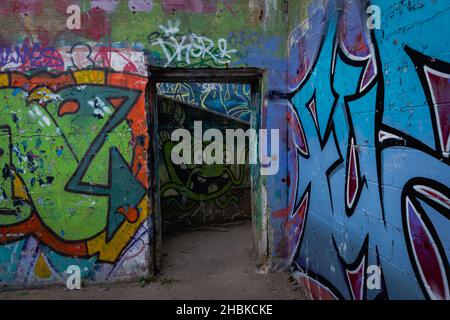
(197,195)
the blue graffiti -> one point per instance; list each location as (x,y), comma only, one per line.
(376,168)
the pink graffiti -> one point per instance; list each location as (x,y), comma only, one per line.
(95,24)
(439,85)
(354,40)
(103,57)
(352,176)
(21,7)
(140,5)
(107,5)
(317,290)
(355,279)
(198,6)
(426,255)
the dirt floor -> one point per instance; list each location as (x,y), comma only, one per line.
(214,263)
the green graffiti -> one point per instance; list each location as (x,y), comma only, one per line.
(66,159)
(201,182)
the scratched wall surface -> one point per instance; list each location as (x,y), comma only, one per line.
(369,150)
(74,180)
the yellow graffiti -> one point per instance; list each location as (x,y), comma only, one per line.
(110,251)
(4,80)
(20,190)
(89,77)
(41,94)
(41,269)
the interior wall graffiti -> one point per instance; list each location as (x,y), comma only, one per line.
(230,99)
(193,195)
(368,159)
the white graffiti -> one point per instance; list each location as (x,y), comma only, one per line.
(184,48)
(171,29)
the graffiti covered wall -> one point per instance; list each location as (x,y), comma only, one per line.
(362,114)
(69,141)
(369,151)
(194,195)
(74,140)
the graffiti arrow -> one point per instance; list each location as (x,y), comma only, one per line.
(123,189)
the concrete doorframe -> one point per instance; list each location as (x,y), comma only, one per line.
(252,76)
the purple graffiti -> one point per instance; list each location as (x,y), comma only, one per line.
(140,5)
(427,257)
(30,55)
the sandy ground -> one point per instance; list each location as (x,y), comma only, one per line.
(214,263)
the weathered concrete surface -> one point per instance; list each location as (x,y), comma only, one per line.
(216,264)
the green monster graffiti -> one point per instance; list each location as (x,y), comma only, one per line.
(201,182)
(187,186)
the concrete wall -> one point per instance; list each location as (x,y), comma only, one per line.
(73,122)
(369,151)
(362,114)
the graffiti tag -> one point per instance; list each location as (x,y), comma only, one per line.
(30,55)
(183,48)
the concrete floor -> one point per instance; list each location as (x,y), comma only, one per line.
(213,264)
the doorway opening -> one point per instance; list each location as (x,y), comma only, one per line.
(196,195)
